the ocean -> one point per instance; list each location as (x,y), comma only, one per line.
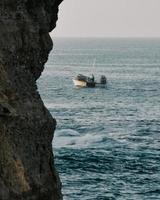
(107,141)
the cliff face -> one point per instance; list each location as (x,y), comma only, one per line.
(26,127)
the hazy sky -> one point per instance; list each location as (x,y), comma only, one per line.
(109,18)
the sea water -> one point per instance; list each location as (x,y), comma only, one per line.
(107,141)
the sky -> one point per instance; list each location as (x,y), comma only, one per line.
(108,18)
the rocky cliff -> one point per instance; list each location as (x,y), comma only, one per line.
(26,127)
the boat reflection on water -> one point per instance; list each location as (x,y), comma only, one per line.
(85,81)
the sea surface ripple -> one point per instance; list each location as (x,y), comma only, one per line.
(107,142)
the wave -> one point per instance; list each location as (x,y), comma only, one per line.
(73,139)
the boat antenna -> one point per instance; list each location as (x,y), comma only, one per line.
(94,62)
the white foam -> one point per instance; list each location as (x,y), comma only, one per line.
(66,132)
(71,138)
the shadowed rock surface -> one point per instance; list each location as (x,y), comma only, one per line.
(26,127)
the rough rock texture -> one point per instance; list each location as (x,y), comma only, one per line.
(26,127)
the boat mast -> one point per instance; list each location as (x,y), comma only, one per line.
(94,62)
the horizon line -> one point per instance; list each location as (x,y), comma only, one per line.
(110,37)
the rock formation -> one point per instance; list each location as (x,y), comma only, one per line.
(26,127)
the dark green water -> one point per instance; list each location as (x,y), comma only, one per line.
(107,143)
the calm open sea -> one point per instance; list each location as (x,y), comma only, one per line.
(107,142)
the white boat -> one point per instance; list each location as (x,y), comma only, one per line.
(84,81)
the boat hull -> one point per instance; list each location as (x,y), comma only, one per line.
(79,83)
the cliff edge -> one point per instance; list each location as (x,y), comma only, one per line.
(26,127)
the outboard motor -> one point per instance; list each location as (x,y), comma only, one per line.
(103,80)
